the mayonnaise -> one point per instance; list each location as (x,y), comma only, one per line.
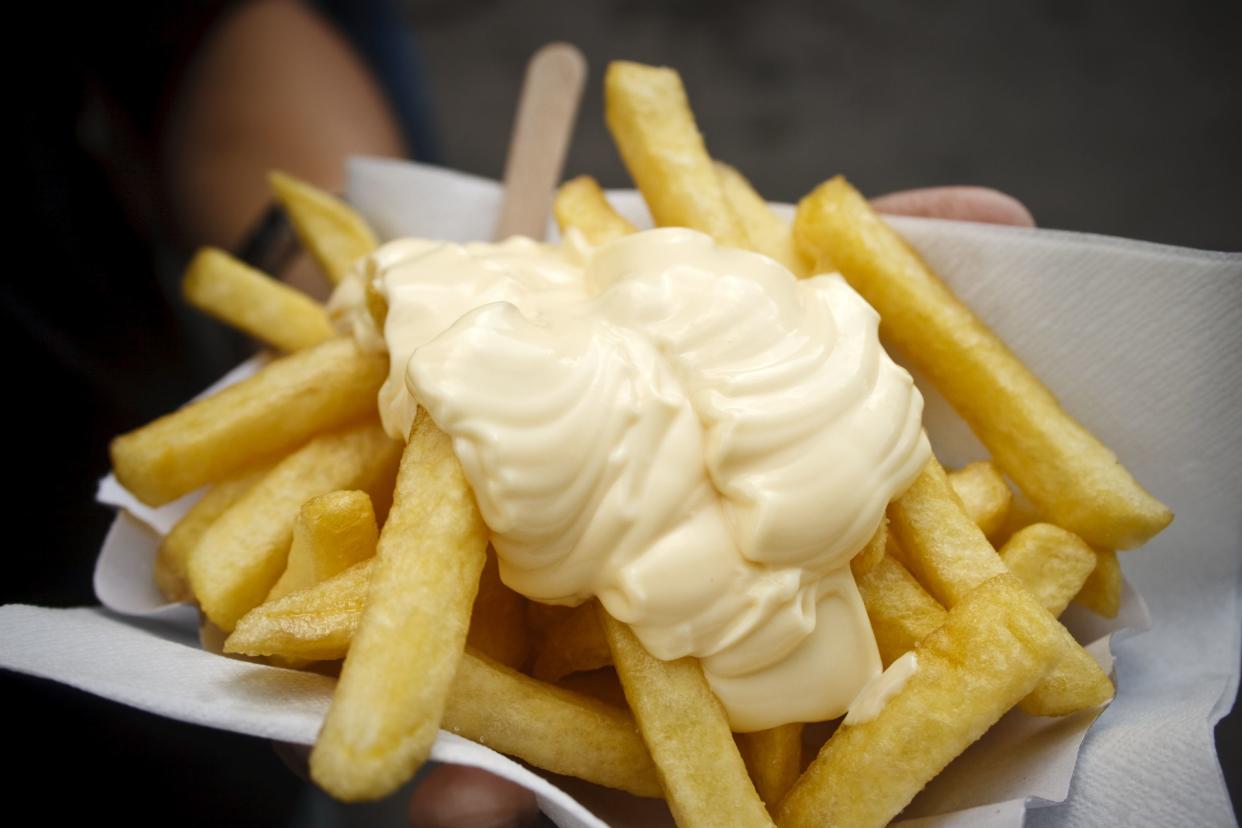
(683,430)
(876,693)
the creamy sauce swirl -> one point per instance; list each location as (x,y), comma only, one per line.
(686,431)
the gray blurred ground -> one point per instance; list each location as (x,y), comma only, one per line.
(1109,117)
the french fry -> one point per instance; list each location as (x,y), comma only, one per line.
(766,232)
(773,758)
(498,620)
(330,229)
(173,556)
(549,727)
(576,644)
(1051,563)
(396,679)
(950,557)
(870,555)
(552,728)
(331,533)
(992,649)
(1102,591)
(253,302)
(984,494)
(242,555)
(282,406)
(901,612)
(655,133)
(684,727)
(313,624)
(580,203)
(1073,479)
(601,684)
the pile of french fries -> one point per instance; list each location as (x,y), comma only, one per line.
(319,538)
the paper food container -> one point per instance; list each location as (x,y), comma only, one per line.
(1141,342)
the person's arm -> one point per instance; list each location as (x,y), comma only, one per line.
(272,86)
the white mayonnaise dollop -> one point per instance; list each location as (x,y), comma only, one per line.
(684,430)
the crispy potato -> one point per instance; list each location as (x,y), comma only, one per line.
(282,406)
(173,556)
(1073,479)
(1021,514)
(334,234)
(581,204)
(313,624)
(396,679)
(498,620)
(870,555)
(576,644)
(601,684)
(992,649)
(549,727)
(1102,591)
(1051,563)
(253,302)
(766,232)
(243,554)
(773,758)
(552,728)
(948,554)
(984,494)
(901,612)
(654,129)
(331,533)
(684,726)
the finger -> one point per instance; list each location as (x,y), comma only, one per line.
(980,204)
(453,796)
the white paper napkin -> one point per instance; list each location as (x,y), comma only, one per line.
(1141,343)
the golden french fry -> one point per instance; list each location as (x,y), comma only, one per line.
(774,759)
(684,726)
(243,554)
(1051,563)
(766,232)
(948,554)
(331,533)
(313,624)
(549,727)
(870,555)
(498,620)
(287,402)
(984,494)
(396,679)
(992,649)
(253,302)
(901,612)
(1102,591)
(1073,479)
(173,556)
(580,203)
(576,644)
(334,234)
(601,684)
(654,129)
(552,728)
(1021,514)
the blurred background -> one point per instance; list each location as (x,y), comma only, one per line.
(143,132)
